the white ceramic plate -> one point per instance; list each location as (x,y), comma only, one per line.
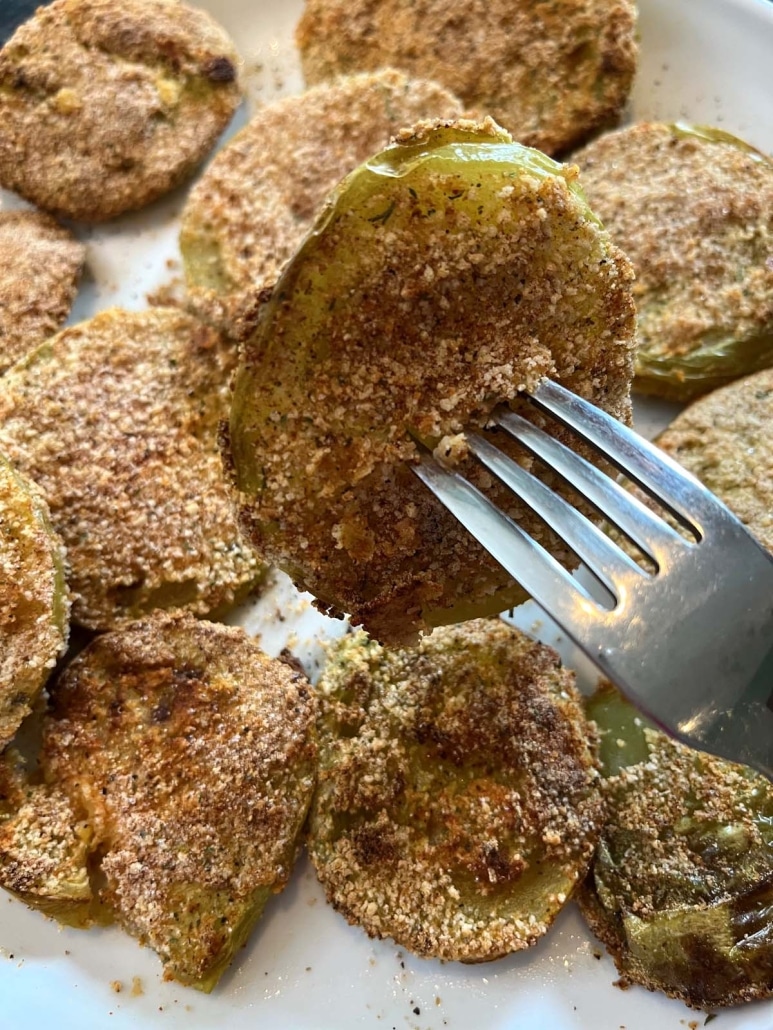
(305,969)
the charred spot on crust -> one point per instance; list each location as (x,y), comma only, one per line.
(219,69)
(160,713)
(189,675)
(373,845)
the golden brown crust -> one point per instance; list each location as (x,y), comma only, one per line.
(726,440)
(192,756)
(40,263)
(254,204)
(108,104)
(549,73)
(116,420)
(457,802)
(43,846)
(693,210)
(34,606)
(420,302)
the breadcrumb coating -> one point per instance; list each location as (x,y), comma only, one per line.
(116,421)
(34,604)
(43,846)
(726,440)
(693,210)
(457,803)
(252,207)
(108,104)
(193,756)
(551,73)
(40,263)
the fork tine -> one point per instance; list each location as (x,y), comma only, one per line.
(657,473)
(647,530)
(605,560)
(530,565)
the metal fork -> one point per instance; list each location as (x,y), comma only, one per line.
(690,643)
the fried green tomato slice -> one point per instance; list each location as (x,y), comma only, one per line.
(40,263)
(446,274)
(34,603)
(681,888)
(692,208)
(108,104)
(116,421)
(551,73)
(44,847)
(726,440)
(252,207)
(191,757)
(457,804)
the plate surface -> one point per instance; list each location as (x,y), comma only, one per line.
(706,61)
